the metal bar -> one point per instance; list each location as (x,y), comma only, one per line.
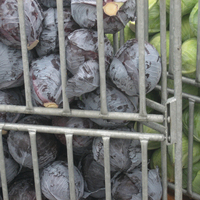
(141,38)
(198,47)
(106,144)
(32,134)
(171,37)
(115,43)
(121,38)
(146,20)
(177,42)
(184,95)
(164,169)
(4,185)
(69,138)
(61,36)
(158,127)
(193,195)
(190,146)
(163,51)
(144,148)
(82,113)
(155,105)
(84,132)
(25,61)
(186,80)
(100,29)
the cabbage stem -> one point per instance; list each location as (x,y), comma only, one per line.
(50,105)
(32,45)
(111,8)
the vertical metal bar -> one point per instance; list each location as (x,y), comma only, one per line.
(146,20)
(121,41)
(142,92)
(171,46)
(32,134)
(70,160)
(178,95)
(164,169)
(190,146)
(4,185)
(61,36)
(115,43)
(144,145)
(106,144)
(102,72)
(163,51)
(198,47)
(25,61)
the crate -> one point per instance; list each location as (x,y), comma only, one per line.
(168,122)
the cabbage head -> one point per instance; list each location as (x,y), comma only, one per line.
(196,150)
(189,56)
(186,30)
(193,19)
(155,41)
(186,6)
(195,177)
(185,118)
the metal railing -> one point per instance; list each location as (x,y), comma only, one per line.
(142,116)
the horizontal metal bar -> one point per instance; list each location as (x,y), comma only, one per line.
(193,195)
(186,80)
(184,95)
(84,132)
(158,127)
(155,105)
(81,113)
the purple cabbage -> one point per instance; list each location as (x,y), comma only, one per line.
(55,181)
(11,166)
(85,80)
(20,147)
(81,144)
(52,3)
(48,37)
(93,174)
(116,102)
(124,69)
(9,23)
(125,154)
(11,66)
(81,46)
(84,13)
(23,189)
(128,185)
(11,97)
(45,79)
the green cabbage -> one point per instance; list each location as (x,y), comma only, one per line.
(193,19)
(186,30)
(186,88)
(195,178)
(154,17)
(196,152)
(189,56)
(155,41)
(185,118)
(155,161)
(186,6)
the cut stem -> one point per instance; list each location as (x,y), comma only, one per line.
(32,45)
(111,8)
(50,105)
